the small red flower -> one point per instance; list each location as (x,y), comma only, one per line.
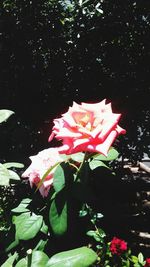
(118,246)
(147,264)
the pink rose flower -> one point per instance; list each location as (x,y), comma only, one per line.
(147,264)
(118,246)
(87,127)
(40,164)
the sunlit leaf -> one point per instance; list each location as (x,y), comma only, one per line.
(97,163)
(22,263)
(134,259)
(4,176)
(63,176)
(14,175)
(13,165)
(59,179)
(27,226)
(5,114)
(7,175)
(41,245)
(94,234)
(78,157)
(81,257)
(83,213)
(140,258)
(39,259)
(9,262)
(91,233)
(112,155)
(44,228)
(22,206)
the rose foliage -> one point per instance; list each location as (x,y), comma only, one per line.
(64,176)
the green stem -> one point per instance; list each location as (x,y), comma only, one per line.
(29,257)
(46,173)
(81,165)
(73,165)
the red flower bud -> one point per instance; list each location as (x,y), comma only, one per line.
(147,264)
(118,246)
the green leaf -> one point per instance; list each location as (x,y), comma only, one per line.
(82,213)
(63,176)
(13,175)
(78,157)
(59,179)
(95,235)
(9,262)
(39,259)
(127,263)
(99,215)
(44,228)
(5,114)
(27,226)
(64,157)
(22,263)
(137,265)
(79,257)
(134,259)
(4,175)
(13,165)
(20,218)
(97,163)
(140,258)
(112,155)
(41,245)
(58,214)
(12,245)
(99,247)
(22,206)
(91,233)
(101,233)
(26,201)
(97,238)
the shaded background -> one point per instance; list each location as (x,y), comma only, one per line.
(56,52)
